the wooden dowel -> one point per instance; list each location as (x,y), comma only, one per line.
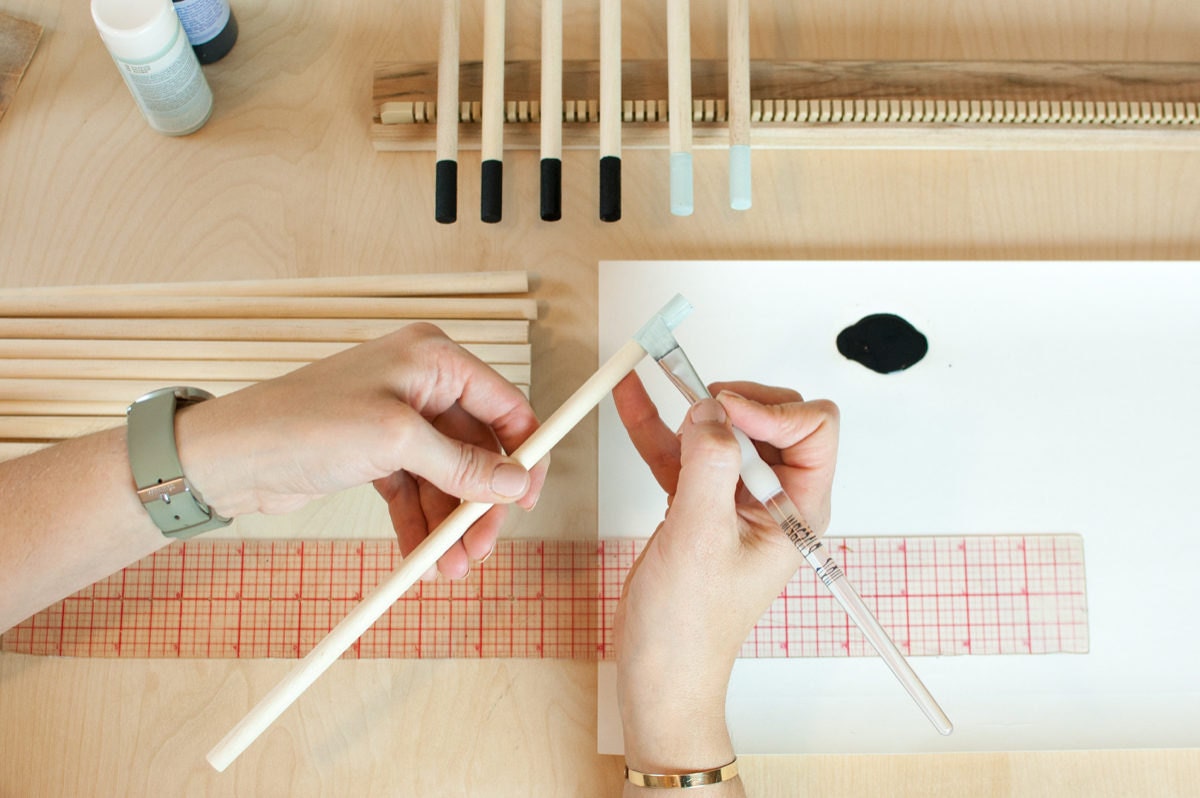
(394,285)
(355,330)
(376,603)
(82,407)
(446,188)
(551,111)
(69,390)
(218,307)
(128,349)
(53,428)
(492,146)
(738,44)
(610,110)
(679,100)
(182,371)
(302,351)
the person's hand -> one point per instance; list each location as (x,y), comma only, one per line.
(412,412)
(715,563)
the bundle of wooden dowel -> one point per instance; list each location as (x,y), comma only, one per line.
(72,358)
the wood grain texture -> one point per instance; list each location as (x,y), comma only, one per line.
(283,182)
(1007,105)
(646,79)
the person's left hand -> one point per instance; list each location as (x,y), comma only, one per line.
(412,412)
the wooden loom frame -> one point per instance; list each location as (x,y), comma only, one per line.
(827,105)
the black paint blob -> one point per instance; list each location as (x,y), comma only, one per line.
(883,342)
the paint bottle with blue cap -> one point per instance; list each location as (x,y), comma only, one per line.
(210,25)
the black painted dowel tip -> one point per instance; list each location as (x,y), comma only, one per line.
(551,189)
(610,188)
(491,196)
(445,199)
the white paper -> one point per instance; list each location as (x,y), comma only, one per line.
(1055,398)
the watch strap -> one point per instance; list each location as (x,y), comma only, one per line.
(173,504)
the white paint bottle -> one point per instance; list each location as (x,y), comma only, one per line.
(153,54)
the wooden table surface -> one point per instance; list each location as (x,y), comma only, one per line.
(283,182)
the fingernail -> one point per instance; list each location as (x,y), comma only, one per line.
(731,394)
(708,411)
(485,557)
(510,480)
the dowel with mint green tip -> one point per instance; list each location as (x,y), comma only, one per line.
(426,555)
(738,64)
(679,105)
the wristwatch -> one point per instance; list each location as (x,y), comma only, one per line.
(174,505)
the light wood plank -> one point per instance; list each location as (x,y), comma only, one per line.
(390,285)
(218,307)
(128,349)
(353,330)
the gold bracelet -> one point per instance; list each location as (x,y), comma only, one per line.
(716,776)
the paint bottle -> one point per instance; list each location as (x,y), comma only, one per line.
(210,25)
(147,42)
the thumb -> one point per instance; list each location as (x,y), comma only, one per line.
(462,469)
(708,474)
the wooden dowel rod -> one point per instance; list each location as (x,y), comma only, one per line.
(302,351)
(679,105)
(169,370)
(53,428)
(128,349)
(551,85)
(184,371)
(610,110)
(394,285)
(82,407)
(738,45)
(68,390)
(376,603)
(446,167)
(550,126)
(217,307)
(355,330)
(492,122)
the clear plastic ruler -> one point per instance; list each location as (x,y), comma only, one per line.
(941,595)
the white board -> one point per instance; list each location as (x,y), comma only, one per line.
(1055,398)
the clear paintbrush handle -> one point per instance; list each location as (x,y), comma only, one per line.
(814,551)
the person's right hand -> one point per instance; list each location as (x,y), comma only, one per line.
(715,563)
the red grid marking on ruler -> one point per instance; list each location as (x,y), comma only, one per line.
(555,599)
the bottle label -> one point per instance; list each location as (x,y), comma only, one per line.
(170,88)
(203,20)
